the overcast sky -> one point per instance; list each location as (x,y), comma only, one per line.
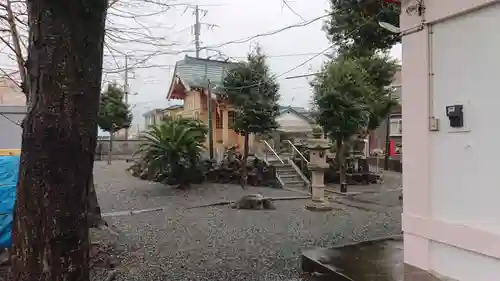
(234,20)
(224,20)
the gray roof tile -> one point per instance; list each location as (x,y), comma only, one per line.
(192,71)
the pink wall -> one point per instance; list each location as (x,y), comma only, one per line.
(10,94)
(422,229)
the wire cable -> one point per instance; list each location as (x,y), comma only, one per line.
(247,39)
(306,61)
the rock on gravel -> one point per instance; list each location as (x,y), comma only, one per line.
(220,243)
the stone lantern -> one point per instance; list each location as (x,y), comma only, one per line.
(318,147)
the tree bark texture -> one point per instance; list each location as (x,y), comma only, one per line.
(50,229)
(94,210)
(341,160)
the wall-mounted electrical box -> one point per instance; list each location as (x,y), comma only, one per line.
(434,124)
(458,116)
(455,114)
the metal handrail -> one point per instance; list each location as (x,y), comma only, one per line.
(276,154)
(297,169)
(297,150)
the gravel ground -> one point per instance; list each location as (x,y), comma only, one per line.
(219,243)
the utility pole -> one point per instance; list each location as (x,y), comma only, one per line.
(210,122)
(125,88)
(199,14)
(197,31)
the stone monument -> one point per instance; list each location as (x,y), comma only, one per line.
(317,165)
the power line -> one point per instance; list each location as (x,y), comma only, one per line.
(283,55)
(10,120)
(239,41)
(247,39)
(301,76)
(285,3)
(306,61)
(286,72)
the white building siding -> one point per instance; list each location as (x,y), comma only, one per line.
(289,121)
(464,162)
(10,129)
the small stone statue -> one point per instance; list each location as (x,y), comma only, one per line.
(253,202)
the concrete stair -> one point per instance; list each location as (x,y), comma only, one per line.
(289,177)
(285,171)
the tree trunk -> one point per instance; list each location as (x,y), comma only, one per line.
(341,160)
(50,231)
(110,150)
(244,160)
(94,213)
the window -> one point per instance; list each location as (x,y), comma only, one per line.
(231,116)
(396,93)
(396,127)
(218,121)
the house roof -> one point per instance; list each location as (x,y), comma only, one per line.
(190,72)
(173,107)
(299,111)
(153,112)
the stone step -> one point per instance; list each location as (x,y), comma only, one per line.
(294,182)
(285,169)
(287,172)
(290,177)
(286,165)
(298,187)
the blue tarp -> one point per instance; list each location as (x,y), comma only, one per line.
(9,170)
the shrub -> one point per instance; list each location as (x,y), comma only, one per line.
(171,151)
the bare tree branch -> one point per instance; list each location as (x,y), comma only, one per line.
(130,30)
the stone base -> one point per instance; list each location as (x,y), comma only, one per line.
(319,206)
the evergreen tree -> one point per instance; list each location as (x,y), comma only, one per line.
(353,25)
(253,91)
(342,93)
(380,70)
(114,113)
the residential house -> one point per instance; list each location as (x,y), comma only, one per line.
(173,110)
(189,84)
(294,124)
(153,117)
(10,93)
(450,78)
(377,139)
(295,120)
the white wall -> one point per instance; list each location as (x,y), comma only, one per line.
(464,165)
(10,129)
(290,121)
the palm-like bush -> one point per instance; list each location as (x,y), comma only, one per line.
(173,149)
